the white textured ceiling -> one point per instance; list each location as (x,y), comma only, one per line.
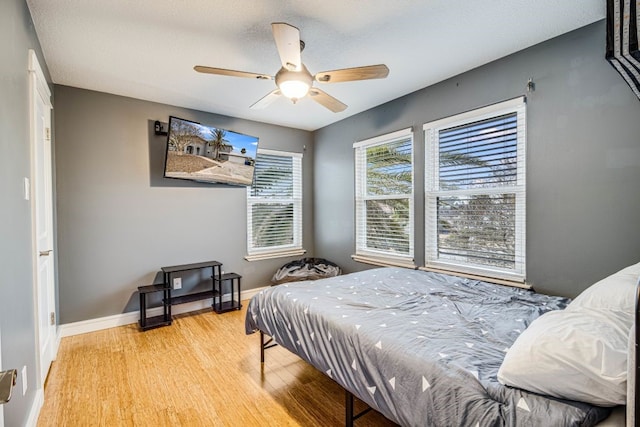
(146,49)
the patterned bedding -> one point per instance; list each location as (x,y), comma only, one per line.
(421,348)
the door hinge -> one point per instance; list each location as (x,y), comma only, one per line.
(47,134)
(52,318)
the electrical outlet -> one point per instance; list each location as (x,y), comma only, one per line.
(24,380)
(177,283)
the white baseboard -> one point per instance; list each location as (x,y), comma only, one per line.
(92,325)
(56,344)
(34,412)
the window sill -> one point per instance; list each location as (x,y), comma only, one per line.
(384,262)
(505,282)
(278,254)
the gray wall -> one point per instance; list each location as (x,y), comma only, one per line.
(17,36)
(583,164)
(119,220)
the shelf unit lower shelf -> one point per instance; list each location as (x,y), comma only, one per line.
(182,299)
(227,306)
(153,322)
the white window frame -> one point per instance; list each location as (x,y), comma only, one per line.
(362,252)
(294,249)
(432,191)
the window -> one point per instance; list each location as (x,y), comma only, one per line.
(274,206)
(475,192)
(384,199)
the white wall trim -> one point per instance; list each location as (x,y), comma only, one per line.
(92,325)
(41,81)
(36,406)
(57,343)
(39,92)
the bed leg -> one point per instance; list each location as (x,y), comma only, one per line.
(265,345)
(349,417)
(348,405)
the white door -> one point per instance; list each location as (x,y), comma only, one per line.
(42,213)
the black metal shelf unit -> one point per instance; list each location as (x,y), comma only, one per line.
(216,273)
(216,293)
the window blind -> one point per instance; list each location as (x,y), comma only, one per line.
(475,191)
(384,196)
(480,154)
(274,204)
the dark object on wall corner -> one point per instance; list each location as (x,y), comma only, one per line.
(159,128)
(623,33)
(306,269)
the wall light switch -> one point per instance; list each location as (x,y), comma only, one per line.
(24,380)
(177,283)
(27,189)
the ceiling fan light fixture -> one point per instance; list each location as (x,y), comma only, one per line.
(294,89)
(294,84)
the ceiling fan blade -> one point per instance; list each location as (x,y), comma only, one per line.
(379,71)
(287,39)
(266,100)
(232,73)
(326,100)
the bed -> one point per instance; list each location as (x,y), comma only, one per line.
(424,348)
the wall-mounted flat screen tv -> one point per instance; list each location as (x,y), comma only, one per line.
(208,154)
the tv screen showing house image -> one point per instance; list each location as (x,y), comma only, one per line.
(208,154)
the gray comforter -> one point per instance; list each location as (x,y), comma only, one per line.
(422,348)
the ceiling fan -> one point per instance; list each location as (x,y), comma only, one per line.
(293,80)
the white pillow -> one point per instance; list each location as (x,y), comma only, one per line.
(573,355)
(616,293)
(631,381)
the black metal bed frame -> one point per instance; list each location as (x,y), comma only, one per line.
(350,417)
(348,396)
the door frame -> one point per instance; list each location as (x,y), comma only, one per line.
(1,406)
(40,89)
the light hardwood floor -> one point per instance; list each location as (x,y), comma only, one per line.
(201,371)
